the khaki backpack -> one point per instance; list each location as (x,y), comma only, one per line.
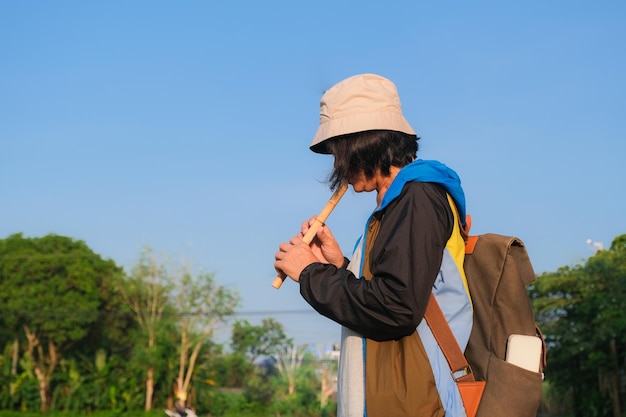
(498,270)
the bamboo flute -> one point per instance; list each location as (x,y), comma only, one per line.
(319,222)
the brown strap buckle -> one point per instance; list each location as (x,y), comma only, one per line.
(464,374)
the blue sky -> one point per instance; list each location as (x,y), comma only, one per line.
(185,126)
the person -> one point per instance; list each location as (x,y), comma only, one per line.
(180,410)
(412,246)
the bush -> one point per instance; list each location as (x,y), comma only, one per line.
(104,413)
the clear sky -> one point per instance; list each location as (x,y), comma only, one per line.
(185,126)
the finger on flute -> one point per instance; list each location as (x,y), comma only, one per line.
(319,222)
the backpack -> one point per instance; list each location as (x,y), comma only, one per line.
(498,270)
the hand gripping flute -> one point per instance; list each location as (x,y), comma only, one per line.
(319,222)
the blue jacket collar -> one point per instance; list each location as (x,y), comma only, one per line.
(428,171)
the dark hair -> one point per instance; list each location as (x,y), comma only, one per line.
(368,152)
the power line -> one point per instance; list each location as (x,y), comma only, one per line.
(74,313)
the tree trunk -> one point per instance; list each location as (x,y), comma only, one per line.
(328,385)
(577,394)
(15,357)
(44,389)
(150,371)
(181,390)
(149,388)
(324,388)
(43,365)
(614,381)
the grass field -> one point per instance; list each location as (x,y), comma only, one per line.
(159,413)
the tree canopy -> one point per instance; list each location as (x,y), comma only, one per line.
(582,311)
(50,292)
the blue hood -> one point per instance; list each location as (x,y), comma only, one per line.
(428,171)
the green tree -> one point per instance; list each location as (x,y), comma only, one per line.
(327,369)
(289,360)
(306,399)
(50,292)
(147,293)
(202,305)
(582,311)
(249,343)
(258,341)
(90,378)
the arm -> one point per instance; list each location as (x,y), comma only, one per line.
(404,262)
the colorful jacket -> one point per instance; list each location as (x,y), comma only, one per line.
(411,246)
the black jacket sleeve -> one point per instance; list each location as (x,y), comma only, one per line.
(404,260)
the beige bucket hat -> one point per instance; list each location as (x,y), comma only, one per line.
(356,104)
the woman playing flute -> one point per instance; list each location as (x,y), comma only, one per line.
(390,364)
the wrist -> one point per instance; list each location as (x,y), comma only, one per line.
(341,263)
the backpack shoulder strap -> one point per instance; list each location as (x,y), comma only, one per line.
(470,241)
(470,244)
(447,342)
